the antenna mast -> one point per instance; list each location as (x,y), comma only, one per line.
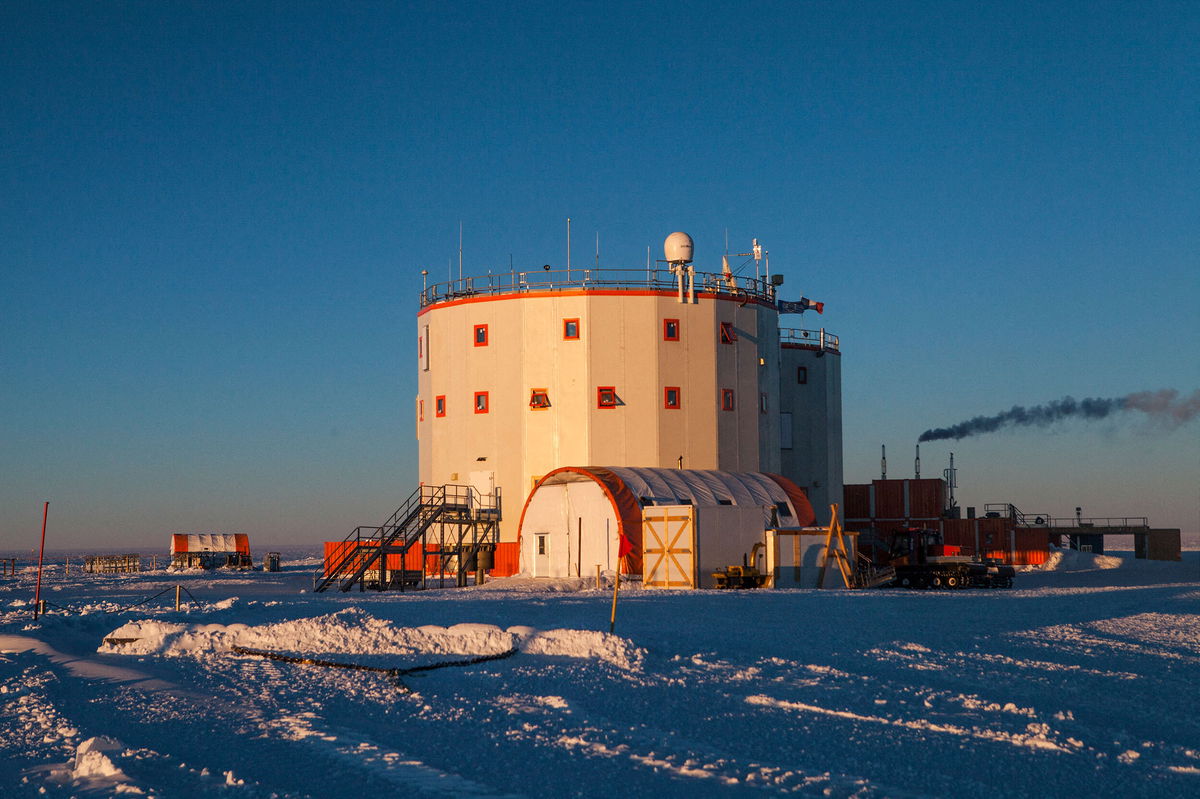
(951,476)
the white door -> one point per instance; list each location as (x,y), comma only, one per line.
(484,484)
(541,555)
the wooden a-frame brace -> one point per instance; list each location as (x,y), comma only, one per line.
(835,545)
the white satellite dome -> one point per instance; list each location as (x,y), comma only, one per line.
(678,248)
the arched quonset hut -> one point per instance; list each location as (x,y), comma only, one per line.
(575,517)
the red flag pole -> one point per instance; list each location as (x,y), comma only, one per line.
(37,592)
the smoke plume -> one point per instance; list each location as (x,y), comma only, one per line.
(1163,407)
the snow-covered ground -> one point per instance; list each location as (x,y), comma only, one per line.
(1083,680)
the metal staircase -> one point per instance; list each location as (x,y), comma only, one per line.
(467,523)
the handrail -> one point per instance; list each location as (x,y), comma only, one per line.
(1007,510)
(594,278)
(409,522)
(818,339)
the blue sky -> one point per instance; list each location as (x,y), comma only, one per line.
(213,218)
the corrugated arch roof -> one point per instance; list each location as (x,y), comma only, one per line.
(630,487)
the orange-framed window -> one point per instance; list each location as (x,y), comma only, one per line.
(670,330)
(420,348)
(539,399)
(762,403)
(481,402)
(727,399)
(420,410)
(801,374)
(606,397)
(439,405)
(728,334)
(672,397)
(481,335)
(570,329)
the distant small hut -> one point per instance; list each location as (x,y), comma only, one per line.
(210,551)
(112,564)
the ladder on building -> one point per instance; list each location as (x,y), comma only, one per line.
(471,519)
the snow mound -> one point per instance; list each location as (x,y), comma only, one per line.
(92,760)
(587,645)
(356,633)
(1074,560)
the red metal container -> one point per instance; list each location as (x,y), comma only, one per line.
(856,500)
(889,499)
(926,498)
(1032,546)
(508,559)
(959,533)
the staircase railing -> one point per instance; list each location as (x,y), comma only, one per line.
(368,546)
(352,545)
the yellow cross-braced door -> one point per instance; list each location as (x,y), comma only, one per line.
(669,546)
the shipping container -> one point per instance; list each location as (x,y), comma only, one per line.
(889,499)
(508,559)
(926,498)
(1032,546)
(961,533)
(857,501)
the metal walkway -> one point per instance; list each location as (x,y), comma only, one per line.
(462,523)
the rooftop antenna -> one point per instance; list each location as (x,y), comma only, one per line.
(568,248)
(727,241)
(597,249)
(424,280)
(460,249)
(647,263)
(917,463)
(951,476)
(757,249)
(883,462)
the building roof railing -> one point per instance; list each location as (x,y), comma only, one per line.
(593,279)
(820,339)
(1006,510)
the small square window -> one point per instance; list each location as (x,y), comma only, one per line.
(481,402)
(762,403)
(606,397)
(439,405)
(539,399)
(671,397)
(481,335)
(670,330)
(727,399)
(571,329)
(801,374)
(728,334)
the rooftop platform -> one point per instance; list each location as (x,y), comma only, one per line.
(708,284)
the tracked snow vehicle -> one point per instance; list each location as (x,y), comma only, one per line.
(922,560)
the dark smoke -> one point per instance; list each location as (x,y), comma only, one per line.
(1163,407)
